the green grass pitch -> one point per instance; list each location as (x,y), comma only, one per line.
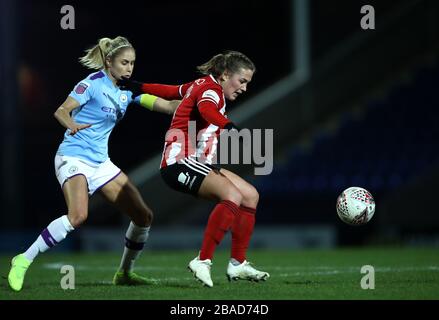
(400,273)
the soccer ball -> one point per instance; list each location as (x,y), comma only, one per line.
(355,206)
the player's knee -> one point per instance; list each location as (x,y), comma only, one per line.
(251,198)
(77,217)
(234,195)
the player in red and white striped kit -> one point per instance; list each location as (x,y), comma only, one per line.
(187,165)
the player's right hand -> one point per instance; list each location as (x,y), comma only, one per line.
(131,85)
(78,127)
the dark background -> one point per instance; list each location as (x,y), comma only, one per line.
(171,38)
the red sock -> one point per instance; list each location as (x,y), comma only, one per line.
(220,221)
(242,230)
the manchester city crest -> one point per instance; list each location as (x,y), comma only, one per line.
(73,169)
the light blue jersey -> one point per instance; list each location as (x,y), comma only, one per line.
(102,104)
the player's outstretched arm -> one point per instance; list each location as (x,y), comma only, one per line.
(165,106)
(165,91)
(157,104)
(62,114)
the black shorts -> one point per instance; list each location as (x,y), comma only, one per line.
(187,175)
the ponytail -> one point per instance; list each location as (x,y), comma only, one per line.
(106,47)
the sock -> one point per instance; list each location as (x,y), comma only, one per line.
(55,232)
(220,221)
(135,239)
(242,230)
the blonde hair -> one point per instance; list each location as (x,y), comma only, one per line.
(230,60)
(95,57)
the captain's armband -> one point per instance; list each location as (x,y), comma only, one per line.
(147,101)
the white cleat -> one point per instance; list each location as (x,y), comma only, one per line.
(245,271)
(201,270)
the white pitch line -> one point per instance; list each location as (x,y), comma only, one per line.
(161,280)
(337,270)
(295,270)
(58,265)
(79,267)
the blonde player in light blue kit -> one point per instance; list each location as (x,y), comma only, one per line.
(82,165)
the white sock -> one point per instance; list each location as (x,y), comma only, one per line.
(135,239)
(55,232)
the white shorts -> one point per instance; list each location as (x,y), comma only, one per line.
(97,175)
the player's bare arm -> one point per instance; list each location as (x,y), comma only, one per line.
(165,106)
(62,114)
(154,103)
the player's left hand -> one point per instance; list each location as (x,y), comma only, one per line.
(235,130)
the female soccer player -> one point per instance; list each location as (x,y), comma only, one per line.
(187,168)
(82,165)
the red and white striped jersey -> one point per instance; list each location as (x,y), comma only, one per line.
(190,135)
